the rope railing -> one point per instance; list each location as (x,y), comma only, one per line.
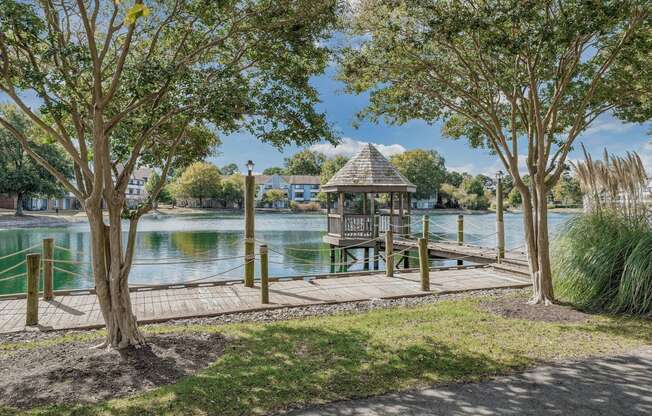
(13,277)
(222,273)
(25,250)
(15,266)
(70,250)
(70,272)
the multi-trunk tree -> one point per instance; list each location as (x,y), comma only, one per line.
(524,78)
(122,84)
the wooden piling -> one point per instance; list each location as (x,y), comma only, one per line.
(366,258)
(48,271)
(425,226)
(500,225)
(460,229)
(264,275)
(424,265)
(250,244)
(33,272)
(460,234)
(389,253)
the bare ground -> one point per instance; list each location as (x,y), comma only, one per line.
(79,373)
(517,308)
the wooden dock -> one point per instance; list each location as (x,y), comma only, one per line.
(80,309)
(466,252)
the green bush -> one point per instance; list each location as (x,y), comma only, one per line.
(604,262)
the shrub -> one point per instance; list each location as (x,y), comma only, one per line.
(603,261)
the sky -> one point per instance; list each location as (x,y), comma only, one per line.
(341,109)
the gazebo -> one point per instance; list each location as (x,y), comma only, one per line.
(367,175)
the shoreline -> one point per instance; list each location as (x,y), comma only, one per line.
(36,219)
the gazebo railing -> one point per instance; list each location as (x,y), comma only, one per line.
(360,226)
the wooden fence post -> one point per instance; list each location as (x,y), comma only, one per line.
(33,271)
(250,243)
(460,229)
(48,271)
(426,227)
(423,265)
(264,275)
(389,253)
(500,225)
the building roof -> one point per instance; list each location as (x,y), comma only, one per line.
(368,171)
(290,179)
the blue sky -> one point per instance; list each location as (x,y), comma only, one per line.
(340,108)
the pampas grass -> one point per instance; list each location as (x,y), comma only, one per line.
(602,261)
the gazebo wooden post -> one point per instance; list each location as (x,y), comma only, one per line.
(375,222)
(401,220)
(391,210)
(400,213)
(340,210)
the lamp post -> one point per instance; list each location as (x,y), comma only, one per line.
(500,225)
(250,245)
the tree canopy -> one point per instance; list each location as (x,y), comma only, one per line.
(330,167)
(274,170)
(424,168)
(200,180)
(305,162)
(229,169)
(20,175)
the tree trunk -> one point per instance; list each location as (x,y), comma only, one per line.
(535,225)
(19,204)
(111,279)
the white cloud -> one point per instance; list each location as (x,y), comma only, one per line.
(349,147)
(607,125)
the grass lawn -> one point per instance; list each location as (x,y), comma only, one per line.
(274,366)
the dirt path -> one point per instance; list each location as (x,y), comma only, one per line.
(620,385)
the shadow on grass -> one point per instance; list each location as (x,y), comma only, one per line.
(276,367)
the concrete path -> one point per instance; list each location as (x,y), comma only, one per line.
(620,385)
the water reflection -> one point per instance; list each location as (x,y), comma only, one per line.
(165,243)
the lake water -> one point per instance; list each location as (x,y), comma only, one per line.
(168,245)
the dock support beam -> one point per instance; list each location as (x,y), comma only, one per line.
(48,273)
(33,272)
(460,234)
(250,244)
(500,225)
(264,275)
(389,253)
(423,265)
(366,258)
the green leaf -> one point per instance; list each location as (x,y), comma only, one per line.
(137,10)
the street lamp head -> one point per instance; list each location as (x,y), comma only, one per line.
(499,174)
(250,166)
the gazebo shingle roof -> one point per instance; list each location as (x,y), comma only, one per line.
(368,171)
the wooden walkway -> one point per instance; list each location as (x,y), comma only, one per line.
(467,252)
(81,309)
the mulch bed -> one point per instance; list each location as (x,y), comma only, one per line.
(77,373)
(518,308)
